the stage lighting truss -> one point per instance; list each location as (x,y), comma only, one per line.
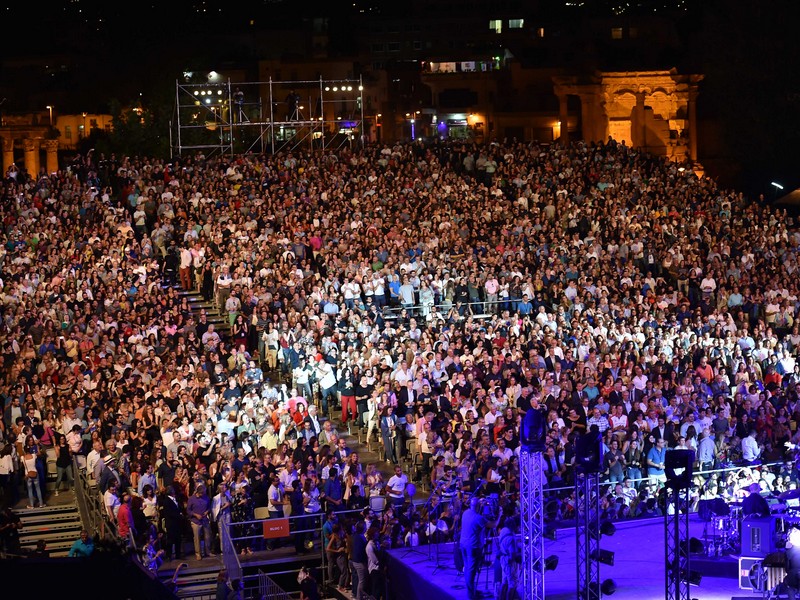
(587,535)
(532,482)
(678,545)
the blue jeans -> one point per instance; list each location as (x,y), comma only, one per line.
(326,393)
(635,473)
(33,482)
(360,580)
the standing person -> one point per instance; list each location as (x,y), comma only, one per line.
(29,460)
(173,522)
(221,511)
(360,560)
(389,433)
(473,524)
(126,529)
(327,382)
(10,525)
(298,508)
(198,509)
(374,565)
(655,463)
(396,487)
(510,555)
(275,503)
(63,464)
(347,391)
(337,556)
(308,585)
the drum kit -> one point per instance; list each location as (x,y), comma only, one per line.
(725,534)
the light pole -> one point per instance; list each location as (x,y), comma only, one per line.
(50,108)
(84,124)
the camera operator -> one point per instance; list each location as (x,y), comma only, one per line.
(473,524)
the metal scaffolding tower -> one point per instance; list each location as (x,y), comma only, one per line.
(587,534)
(678,467)
(268,116)
(532,480)
(676,536)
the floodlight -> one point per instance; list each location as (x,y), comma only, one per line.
(604,556)
(551,563)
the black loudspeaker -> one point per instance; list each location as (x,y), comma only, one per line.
(678,466)
(759,536)
(533,431)
(589,452)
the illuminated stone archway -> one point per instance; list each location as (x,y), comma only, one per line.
(652,110)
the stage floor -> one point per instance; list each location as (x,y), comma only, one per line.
(638,571)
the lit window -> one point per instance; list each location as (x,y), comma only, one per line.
(616,33)
(540,32)
(496,25)
(516,23)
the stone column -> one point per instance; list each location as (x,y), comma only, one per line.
(31,150)
(693,126)
(51,148)
(563,117)
(8,154)
(593,118)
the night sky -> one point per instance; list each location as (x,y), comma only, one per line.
(81,54)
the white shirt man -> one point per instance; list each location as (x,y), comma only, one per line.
(750,448)
(275,496)
(396,486)
(325,375)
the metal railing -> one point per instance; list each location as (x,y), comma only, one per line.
(270,590)
(707,474)
(91,506)
(485,308)
(229,555)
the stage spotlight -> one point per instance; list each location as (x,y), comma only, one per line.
(589,451)
(533,431)
(608,587)
(549,533)
(696,546)
(694,578)
(604,556)
(678,467)
(607,528)
(551,563)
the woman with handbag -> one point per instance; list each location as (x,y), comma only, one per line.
(31,475)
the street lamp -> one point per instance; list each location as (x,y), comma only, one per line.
(84,124)
(50,108)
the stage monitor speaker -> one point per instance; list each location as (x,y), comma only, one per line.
(759,536)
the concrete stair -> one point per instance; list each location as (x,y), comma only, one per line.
(59,526)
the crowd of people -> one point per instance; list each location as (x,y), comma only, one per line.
(430,294)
